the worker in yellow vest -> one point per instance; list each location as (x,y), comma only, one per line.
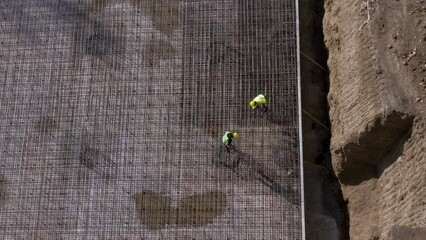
(260,102)
(227,139)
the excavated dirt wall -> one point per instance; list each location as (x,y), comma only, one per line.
(377,112)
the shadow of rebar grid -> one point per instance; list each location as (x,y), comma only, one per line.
(112,114)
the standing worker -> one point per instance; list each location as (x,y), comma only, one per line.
(227,139)
(260,102)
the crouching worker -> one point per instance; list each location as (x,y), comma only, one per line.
(227,140)
(260,102)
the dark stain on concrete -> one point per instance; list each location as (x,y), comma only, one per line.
(165,14)
(2,190)
(153,209)
(101,44)
(200,209)
(93,36)
(46,125)
(104,40)
(196,210)
(159,50)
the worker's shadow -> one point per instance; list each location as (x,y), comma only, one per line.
(249,169)
(270,116)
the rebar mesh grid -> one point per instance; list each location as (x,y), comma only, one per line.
(112,114)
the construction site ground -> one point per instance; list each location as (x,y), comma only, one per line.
(112,114)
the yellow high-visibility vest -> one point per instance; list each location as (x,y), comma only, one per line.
(227,138)
(257,101)
(260,99)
